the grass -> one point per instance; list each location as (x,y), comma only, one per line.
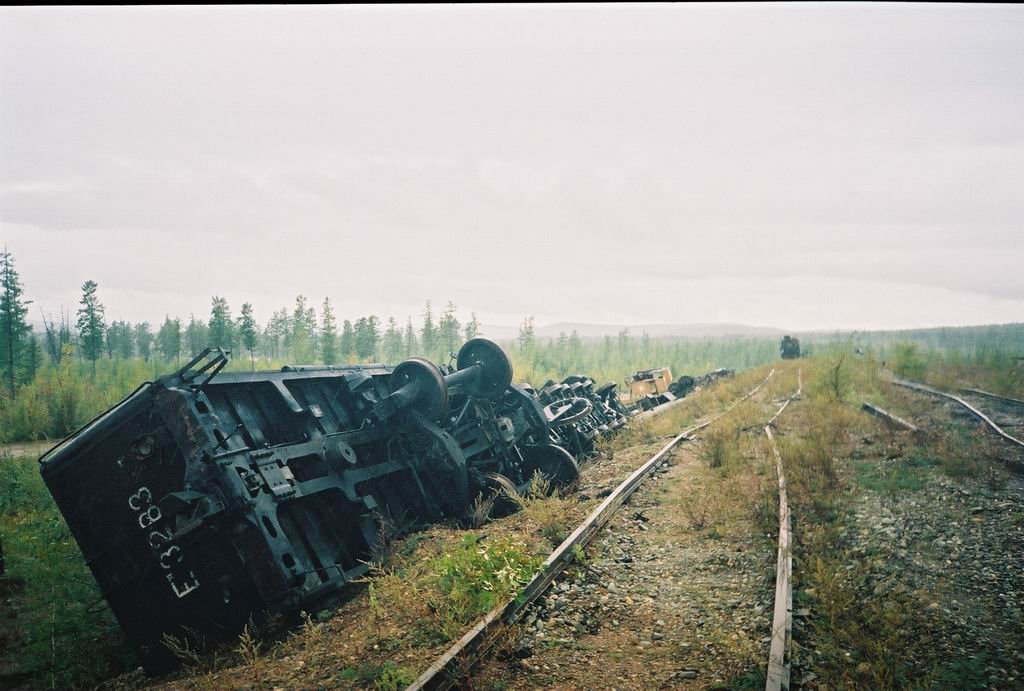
(58,630)
(721,447)
(434,594)
(863,638)
(990,369)
(889,479)
(385,677)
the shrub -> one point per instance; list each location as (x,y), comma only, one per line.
(721,446)
(908,362)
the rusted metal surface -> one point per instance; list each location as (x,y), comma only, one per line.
(649,381)
(677,389)
(445,672)
(923,388)
(994,397)
(669,400)
(207,499)
(782,619)
(891,420)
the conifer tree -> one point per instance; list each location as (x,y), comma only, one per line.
(448,329)
(57,336)
(409,342)
(392,341)
(428,334)
(347,345)
(120,339)
(526,334)
(221,327)
(624,342)
(314,333)
(196,336)
(33,356)
(472,327)
(328,334)
(110,340)
(144,340)
(302,331)
(14,330)
(247,332)
(168,338)
(575,349)
(279,329)
(367,333)
(91,324)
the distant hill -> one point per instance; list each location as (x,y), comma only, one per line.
(588,330)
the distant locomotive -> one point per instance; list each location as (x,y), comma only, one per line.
(789,348)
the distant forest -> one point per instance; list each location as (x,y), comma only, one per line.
(84,361)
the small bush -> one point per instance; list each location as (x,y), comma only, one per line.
(482,573)
(721,446)
(699,509)
(436,592)
(908,361)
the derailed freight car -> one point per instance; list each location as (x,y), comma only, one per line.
(206,499)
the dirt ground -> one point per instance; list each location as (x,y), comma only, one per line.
(676,593)
(928,587)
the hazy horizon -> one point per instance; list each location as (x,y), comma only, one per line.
(802,167)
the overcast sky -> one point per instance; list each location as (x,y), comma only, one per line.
(801,166)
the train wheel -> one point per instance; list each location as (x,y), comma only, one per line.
(553,463)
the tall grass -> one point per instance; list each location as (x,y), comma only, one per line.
(991,370)
(56,629)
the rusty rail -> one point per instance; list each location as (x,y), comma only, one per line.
(777,677)
(923,388)
(995,397)
(443,672)
(889,418)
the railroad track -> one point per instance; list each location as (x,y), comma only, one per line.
(994,397)
(453,664)
(973,407)
(777,676)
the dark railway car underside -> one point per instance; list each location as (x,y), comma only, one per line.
(208,499)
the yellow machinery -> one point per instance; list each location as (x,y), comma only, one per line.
(649,381)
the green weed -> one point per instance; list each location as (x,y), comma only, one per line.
(58,628)
(888,480)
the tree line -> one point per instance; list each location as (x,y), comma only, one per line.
(300,333)
(81,363)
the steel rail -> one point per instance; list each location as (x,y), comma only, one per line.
(923,388)
(799,388)
(777,677)
(889,418)
(996,397)
(444,671)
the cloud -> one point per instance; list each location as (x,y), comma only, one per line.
(613,164)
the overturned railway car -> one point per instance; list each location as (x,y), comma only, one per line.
(206,499)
